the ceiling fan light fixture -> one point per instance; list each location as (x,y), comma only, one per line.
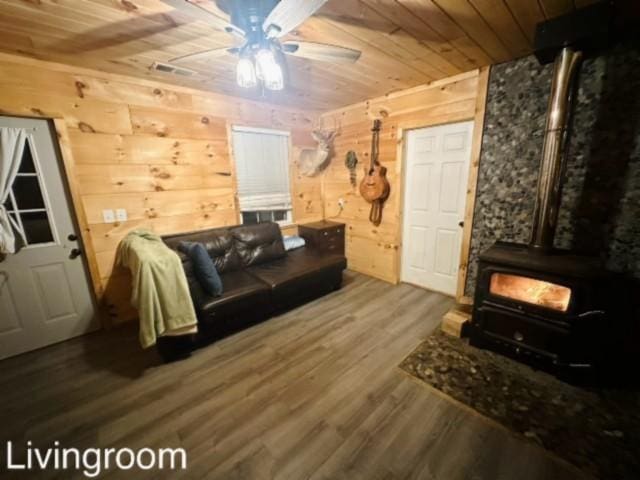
(246,73)
(273,78)
(264,62)
(269,70)
(261,25)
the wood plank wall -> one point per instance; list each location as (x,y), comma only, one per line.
(374,250)
(162,152)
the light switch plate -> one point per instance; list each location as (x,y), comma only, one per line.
(121,215)
(108,216)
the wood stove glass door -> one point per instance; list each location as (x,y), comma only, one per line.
(436,173)
(530,290)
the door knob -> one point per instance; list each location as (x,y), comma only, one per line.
(461,223)
(75,253)
(72,237)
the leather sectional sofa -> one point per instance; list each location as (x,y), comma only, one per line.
(259,279)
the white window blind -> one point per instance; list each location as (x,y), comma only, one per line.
(262,168)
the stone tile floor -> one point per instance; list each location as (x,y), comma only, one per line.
(596,429)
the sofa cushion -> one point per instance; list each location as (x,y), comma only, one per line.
(239,287)
(218,242)
(258,244)
(296,265)
(241,292)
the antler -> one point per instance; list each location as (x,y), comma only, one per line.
(328,133)
(337,126)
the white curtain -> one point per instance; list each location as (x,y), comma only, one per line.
(12,141)
(262,168)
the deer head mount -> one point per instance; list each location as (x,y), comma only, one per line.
(314,160)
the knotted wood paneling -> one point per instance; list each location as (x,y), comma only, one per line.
(161,153)
(375,250)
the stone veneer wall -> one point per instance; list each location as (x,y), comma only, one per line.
(600,210)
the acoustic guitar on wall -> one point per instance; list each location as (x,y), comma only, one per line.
(375,187)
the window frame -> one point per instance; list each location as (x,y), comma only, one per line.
(283,223)
(17,211)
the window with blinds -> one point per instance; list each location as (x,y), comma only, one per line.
(262,169)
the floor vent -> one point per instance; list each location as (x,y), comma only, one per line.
(168,68)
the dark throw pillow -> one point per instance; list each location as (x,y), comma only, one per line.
(203,267)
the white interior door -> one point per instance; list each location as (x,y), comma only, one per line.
(436,174)
(44,288)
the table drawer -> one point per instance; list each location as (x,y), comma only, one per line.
(329,235)
(334,245)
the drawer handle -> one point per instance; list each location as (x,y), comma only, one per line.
(518,336)
(325,233)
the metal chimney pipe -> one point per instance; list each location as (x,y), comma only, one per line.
(545,214)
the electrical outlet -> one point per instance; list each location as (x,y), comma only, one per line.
(121,215)
(108,216)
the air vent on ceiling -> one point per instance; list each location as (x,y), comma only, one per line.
(167,68)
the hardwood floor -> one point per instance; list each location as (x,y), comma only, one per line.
(315,393)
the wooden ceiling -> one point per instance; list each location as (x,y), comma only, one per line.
(404,42)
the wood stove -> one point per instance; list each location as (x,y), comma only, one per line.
(541,306)
(533,301)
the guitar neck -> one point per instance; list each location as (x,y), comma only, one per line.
(375,138)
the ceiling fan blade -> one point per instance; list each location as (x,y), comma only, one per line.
(205,54)
(288,14)
(321,51)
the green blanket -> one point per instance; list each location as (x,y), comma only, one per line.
(160,291)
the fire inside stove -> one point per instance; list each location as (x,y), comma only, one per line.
(531,290)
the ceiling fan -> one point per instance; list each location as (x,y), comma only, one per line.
(260,24)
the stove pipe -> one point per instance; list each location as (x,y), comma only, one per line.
(556,139)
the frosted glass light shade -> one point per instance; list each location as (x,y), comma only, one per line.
(268,70)
(246,73)
(274,80)
(264,62)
